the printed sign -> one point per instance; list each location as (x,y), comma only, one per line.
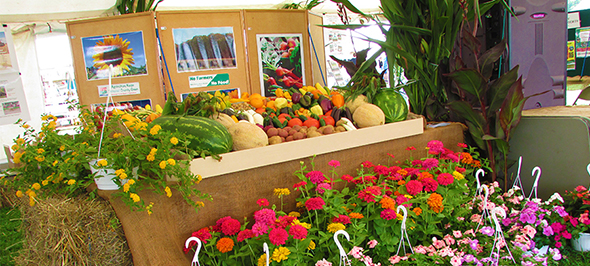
(119,89)
(582,42)
(208,80)
(571,55)
(573,20)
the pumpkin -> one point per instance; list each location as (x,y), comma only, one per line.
(368,115)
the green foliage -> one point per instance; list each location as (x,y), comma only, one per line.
(11,239)
(136,6)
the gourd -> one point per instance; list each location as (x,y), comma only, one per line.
(204,134)
(368,115)
(247,135)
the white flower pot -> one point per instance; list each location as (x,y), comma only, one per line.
(582,243)
(105,178)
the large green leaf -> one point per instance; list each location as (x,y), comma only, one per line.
(350,7)
(489,57)
(464,110)
(470,81)
(498,90)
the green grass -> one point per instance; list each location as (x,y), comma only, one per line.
(11,238)
(574,258)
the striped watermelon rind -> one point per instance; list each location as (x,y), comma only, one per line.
(205,134)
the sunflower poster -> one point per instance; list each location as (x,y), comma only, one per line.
(124,51)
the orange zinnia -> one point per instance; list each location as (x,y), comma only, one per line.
(435,202)
(225,244)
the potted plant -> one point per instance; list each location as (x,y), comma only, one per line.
(577,205)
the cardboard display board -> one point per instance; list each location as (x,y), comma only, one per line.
(271,26)
(204,50)
(318,57)
(128,42)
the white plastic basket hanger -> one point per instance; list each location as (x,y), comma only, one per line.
(499,236)
(343,257)
(195,261)
(536,172)
(404,233)
(485,214)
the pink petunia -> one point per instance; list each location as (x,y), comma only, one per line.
(373,243)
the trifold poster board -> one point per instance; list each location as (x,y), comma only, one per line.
(204,51)
(129,44)
(13,103)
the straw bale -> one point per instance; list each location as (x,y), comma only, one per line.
(72,231)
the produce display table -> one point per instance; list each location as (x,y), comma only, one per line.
(158,239)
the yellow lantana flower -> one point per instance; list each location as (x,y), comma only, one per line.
(36,186)
(174,140)
(20,141)
(131,182)
(168,192)
(126,187)
(19,194)
(102,162)
(155,129)
(71,182)
(134,197)
(171,162)
(163,164)
(40,150)
(150,157)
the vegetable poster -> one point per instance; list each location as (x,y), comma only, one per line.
(124,51)
(204,48)
(280,60)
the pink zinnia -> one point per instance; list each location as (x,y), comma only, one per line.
(429,184)
(414,187)
(367,164)
(445,179)
(430,163)
(435,147)
(321,188)
(461,145)
(343,219)
(314,204)
(298,231)
(217,226)
(230,227)
(262,202)
(278,236)
(399,200)
(203,234)
(259,228)
(316,177)
(388,214)
(334,163)
(347,178)
(285,221)
(368,194)
(266,216)
(246,234)
(381,170)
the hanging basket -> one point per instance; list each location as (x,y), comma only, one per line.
(582,243)
(105,177)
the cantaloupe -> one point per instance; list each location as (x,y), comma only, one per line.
(246,135)
(224,119)
(368,115)
(352,104)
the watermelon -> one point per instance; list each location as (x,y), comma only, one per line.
(205,134)
(393,105)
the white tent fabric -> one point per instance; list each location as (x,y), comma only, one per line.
(49,10)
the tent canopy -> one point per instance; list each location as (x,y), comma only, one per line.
(14,11)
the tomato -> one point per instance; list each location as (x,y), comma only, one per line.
(312,122)
(295,121)
(328,119)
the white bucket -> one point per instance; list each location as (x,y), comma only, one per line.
(582,243)
(104,181)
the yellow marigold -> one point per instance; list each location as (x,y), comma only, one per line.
(356,215)
(174,140)
(71,182)
(168,192)
(150,157)
(155,129)
(163,164)
(417,210)
(36,186)
(62,147)
(295,214)
(466,158)
(45,182)
(282,191)
(299,205)
(225,244)
(40,158)
(387,203)
(19,194)
(15,147)
(131,182)
(280,254)
(458,175)
(117,135)
(262,260)
(20,141)
(102,162)
(334,227)
(126,187)
(399,216)
(32,201)
(435,202)
(311,245)
(171,162)
(134,197)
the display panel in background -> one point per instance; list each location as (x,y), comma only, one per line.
(204,48)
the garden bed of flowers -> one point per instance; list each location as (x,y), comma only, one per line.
(449,220)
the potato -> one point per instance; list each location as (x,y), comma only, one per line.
(340,129)
(275,140)
(297,127)
(292,132)
(283,133)
(313,134)
(298,136)
(289,138)
(329,129)
(272,132)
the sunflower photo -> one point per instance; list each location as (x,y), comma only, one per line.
(124,51)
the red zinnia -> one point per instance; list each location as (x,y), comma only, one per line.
(429,184)
(298,231)
(368,194)
(314,204)
(217,226)
(388,214)
(343,219)
(285,221)
(278,236)
(266,216)
(230,227)
(445,179)
(414,187)
(262,202)
(367,164)
(347,178)
(246,234)
(203,234)
(411,148)
(300,184)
